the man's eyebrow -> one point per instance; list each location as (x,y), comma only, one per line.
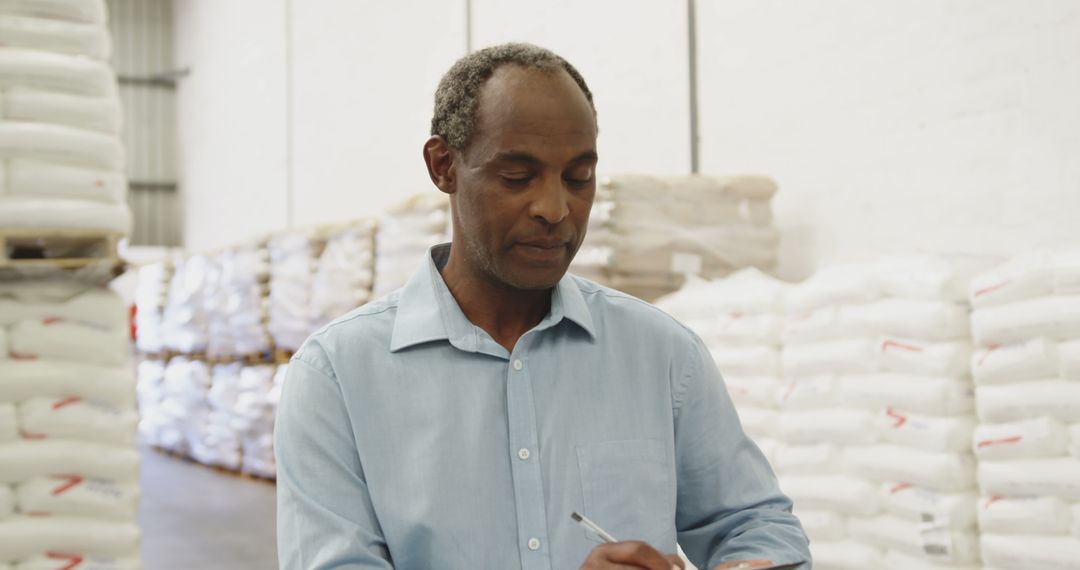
(521,156)
(587,156)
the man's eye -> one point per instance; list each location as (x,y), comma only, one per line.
(516,180)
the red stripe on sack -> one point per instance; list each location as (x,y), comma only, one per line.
(989,442)
(737,315)
(38,514)
(73,560)
(50,320)
(986,354)
(790,390)
(901,419)
(71,481)
(23,356)
(992,288)
(66,402)
(899,488)
(991,501)
(888,343)
(28,435)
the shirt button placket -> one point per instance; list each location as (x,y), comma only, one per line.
(528,484)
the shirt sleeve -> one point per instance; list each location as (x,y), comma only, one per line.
(325,515)
(730,506)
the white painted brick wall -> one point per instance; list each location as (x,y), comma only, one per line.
(940,126)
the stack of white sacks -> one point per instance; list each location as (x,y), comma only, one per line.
(184,321)
(876,415)
(252,418)
(739,318)
(404,236)
(647,233)
(68,467)
(236,302)
(151,295)
(173,402)
(1026,325)
(60,151)
(293,262)
(345,273)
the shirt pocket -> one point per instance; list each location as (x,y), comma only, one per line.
(627,489)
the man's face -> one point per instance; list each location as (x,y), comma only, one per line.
(526,181)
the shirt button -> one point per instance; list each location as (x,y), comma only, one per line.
(523,453)
(518,365)
(534,544)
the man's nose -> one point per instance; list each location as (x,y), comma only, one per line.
(550,204)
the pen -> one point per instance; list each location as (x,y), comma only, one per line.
(585,522)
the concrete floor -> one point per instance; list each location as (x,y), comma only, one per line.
(193,517)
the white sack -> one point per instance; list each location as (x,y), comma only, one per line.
(944,472)
(55,36)
(906,356)
(1059,399)
(736,329)
(1037,437)
(21,460)
(834,285)
(836,425)
(1019,362)
(925,320)
(7,502)
(86,11)
(817,326)
(1022,277)
(1074,440)
(23,380)
(758,422)
(64,340)
(928,277)
(747,360)
(1069,354)
(23,537)
(94,306)
(807,459)
(850,356)
(845,555)
(78,419)
(759,391)
(914,394)
(1057,477)
(56,561)
(1056,317)
(930,433)
(4,345)
(1024,515)
(9,422)
(101,114)
(1005,551)
(952,510)
(838,493)
(811,393)
(747,291)
(940,544)
(63,213)
(62,144)
(55,72)
(896,560)
(78,496)
(823,525)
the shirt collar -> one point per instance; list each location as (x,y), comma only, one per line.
(427,312)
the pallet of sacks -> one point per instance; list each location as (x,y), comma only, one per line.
(236,302)
(877,413)
(68,468)
(294,259)
(647,233)
(1026,325)
(344,273)
(404,235)
(151,296)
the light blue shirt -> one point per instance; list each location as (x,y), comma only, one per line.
(407,437)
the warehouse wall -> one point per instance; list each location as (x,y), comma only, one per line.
(935,126)
(927,125)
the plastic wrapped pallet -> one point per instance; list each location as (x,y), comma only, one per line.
(68,467)
(293,261)
(1026,325)
(647,233)
(345,273)
(151,294)
(184,326)
(253,419)
(878,399)
(739,319)
(403,237)
(236,302)
(213,441)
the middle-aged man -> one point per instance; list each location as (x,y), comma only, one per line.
(458,422)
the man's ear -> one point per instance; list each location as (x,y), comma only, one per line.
(440,160)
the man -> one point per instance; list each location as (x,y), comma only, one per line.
(458,422)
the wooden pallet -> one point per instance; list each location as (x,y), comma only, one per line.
(282,356)
(217,468)
(61,249)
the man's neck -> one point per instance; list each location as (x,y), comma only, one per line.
(503,312)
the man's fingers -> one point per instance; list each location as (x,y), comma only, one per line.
(676,561)
(630,553)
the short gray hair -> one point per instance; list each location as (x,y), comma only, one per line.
(455,99)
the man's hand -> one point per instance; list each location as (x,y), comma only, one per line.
(630,554)
(748,564)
